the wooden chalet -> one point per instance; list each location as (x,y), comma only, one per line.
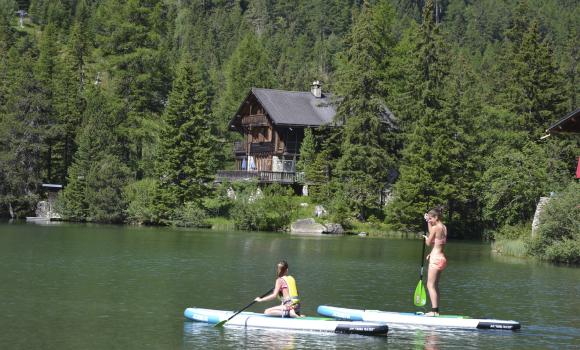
(272,124)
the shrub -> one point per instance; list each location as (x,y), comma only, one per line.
(272,211)
(106,180)
(511,185)
(512,232)
(190,215)
(244,215)
(220,203)
(558,235)
(566,251)
(341,213)
(141,196)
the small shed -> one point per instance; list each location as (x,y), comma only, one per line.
(45,209)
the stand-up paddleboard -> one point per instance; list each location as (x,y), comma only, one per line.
(255,320)
(412,319)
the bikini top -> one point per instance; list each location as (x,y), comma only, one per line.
(440,241)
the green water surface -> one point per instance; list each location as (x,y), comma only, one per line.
(69,286)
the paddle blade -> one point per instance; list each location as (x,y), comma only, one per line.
(420,297)
(221,323)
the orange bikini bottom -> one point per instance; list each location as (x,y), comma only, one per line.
(438,262)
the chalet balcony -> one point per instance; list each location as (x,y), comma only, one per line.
(255,120)
(262,147)
(240,148)
(260,176)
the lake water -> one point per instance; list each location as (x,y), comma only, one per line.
(69,286)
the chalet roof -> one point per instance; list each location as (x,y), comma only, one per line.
(294,108)
(297,108)
(570,123)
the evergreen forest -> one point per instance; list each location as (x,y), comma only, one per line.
(126,103)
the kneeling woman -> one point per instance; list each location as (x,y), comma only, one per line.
(285,289)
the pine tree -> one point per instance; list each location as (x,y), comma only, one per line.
(570,67)
(106,180)
(130,36)
(45,71)
(307,152)
(462,103)
(532,83)
(7,38)
(23,132)
(68,104)
(96,139)
(531,96)
(7,32)
(186,161)
(368,146)
(80,42)
(249,66)
(540,84)
(402,74)
(429,154)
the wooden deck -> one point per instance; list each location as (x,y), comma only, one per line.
(259,176)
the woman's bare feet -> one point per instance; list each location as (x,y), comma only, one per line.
(432,314)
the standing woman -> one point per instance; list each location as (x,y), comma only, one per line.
(285,289)
(437,261)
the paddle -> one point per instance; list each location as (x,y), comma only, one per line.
(221,323)
(420,297)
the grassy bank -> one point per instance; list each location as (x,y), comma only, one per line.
(377,229)
(509,247)
(222,224)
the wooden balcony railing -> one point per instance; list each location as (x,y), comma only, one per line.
(260,176)
(255,119)
(261,147)
(258,147)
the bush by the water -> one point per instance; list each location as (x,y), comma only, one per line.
(222,201)
(141,197)
(270,210)
(190,215)
(512,232)
(558,236)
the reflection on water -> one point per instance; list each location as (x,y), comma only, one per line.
(428,338)
(234,337)
(431,341)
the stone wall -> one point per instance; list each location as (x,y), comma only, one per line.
(539,208)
